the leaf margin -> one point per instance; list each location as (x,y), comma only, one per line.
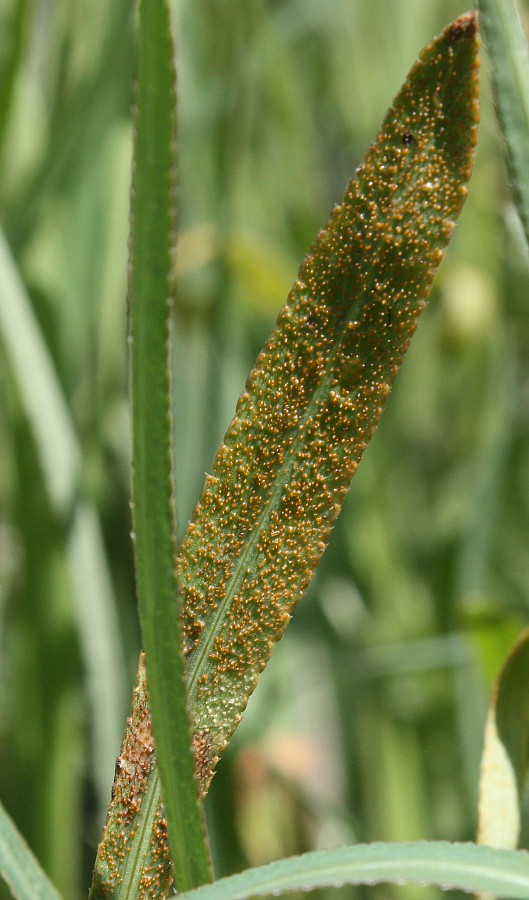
(465,866)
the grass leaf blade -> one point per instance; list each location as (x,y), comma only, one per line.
(38,386)
(314,398)
(151,287)
(57,444)
(503,873)
(507,46)
(19,868)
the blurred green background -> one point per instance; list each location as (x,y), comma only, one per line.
(368,722)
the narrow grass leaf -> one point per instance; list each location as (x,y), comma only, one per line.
(467,867)
(49,418)
(15,39)
(38,386)
(314,398)
(101,644)
(507,47)
(506,751)
(18,866)
(130,843)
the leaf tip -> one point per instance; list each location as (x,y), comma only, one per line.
(463,28)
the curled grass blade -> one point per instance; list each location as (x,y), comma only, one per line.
(314,398)
(503,873)
(506,751)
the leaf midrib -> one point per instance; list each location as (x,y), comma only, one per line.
(133,870)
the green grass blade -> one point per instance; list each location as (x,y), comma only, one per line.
(507,46)
(49,418)
(314,398)
(506,751)
(102,650)
(18,866)
(503,873)
(38,386)
(151,288)
(17,35)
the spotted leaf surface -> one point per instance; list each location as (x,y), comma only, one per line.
(313,400)
(121,869)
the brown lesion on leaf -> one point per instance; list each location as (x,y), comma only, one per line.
(205,760)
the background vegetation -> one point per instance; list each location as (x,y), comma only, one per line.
(368,722)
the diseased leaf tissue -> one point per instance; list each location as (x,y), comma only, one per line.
(310,406)
(313,400)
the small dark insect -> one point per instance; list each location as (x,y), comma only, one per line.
(407,139)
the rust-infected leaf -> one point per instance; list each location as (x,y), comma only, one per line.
(130,813)
(314,398)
